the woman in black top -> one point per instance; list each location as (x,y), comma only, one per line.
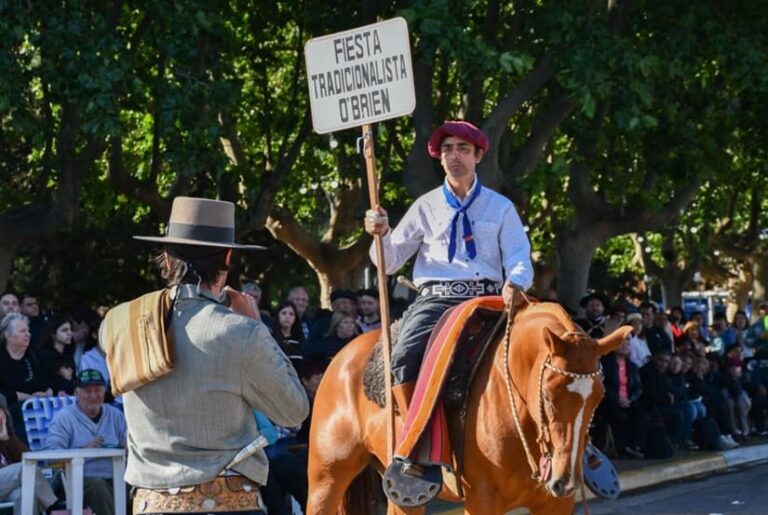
(286,329)
(21,374)
(56,354)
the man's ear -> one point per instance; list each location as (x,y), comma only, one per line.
(479,153)
(228,257)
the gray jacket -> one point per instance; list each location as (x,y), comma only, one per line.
(185,427)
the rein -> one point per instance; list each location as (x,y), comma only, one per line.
(540,472)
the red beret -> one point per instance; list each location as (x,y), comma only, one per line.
(463,130)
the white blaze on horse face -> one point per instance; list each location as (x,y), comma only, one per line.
(583,387)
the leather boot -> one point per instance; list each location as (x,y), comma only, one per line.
(402,394)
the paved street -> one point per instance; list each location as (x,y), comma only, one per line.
(742,491)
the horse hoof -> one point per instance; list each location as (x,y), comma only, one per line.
(410,486)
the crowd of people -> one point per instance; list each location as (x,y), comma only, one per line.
(48,353)
(677,382)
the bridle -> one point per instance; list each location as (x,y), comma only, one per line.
(540,472)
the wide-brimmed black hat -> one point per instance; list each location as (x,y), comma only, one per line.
(594,295)
(201,221)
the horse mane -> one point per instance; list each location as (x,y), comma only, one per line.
(535,311)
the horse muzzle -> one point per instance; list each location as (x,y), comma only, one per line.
(561,485)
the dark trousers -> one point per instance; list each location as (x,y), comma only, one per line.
(287,475)
(628,425)
(415,327)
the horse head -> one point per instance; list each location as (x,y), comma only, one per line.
(563,390)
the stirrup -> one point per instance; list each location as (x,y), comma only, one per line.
(599,473)
(410,485)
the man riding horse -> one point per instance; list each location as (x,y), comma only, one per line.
(468,240)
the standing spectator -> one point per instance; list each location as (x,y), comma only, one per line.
(639,353)
(22,375)
(757,335)
(369,315)
(29,306)
(187,426)
(342,330)
(288,334)
(653,329)
(56,355)
(620,406)
(11,449)
(254,290)
(90,424)
(595,306)
(9,303)
(299,297)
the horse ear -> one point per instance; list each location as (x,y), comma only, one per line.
(553,340)
(611,342)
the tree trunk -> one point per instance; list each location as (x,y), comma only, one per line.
(7,253)
(760,276)
(575,249)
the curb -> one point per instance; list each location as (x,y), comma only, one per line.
(688,467)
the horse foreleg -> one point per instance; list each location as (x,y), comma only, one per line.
(547,504)
(329,481)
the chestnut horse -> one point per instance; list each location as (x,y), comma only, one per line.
(542,375)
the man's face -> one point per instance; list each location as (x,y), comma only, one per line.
(30,306)
(367,306)
(459,157)
(90,398)
(346,306)
(9,304)
(300,299)
(647,314)
(595,308)
(662,362)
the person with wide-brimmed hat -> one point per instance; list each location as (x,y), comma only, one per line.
(468,241)
(594,322)
(193,442)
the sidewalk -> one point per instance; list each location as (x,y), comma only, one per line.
(637,474)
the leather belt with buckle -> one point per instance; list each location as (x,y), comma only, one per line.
(460,289)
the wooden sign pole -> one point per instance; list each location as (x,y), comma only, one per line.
(381,274)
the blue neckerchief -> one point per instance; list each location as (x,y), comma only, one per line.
(456,204)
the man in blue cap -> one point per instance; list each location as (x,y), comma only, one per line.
(468,241)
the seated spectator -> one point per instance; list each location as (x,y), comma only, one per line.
(254,290)
(691,411)
(287,471)
(299,297)
(735,393)
(737,333)
(700,385)
(698,317)
(22,375)
(95,359)
(657,398)
(11,449)
(85,332)
(90,423)
(692,340)
(287,332)
(369,315)
(639,353)
(341,331)
(55,354)
(621,407)
(342,301)
(676,317)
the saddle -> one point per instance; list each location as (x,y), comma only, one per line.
(433,432)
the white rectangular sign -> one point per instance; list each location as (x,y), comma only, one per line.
(360,76)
